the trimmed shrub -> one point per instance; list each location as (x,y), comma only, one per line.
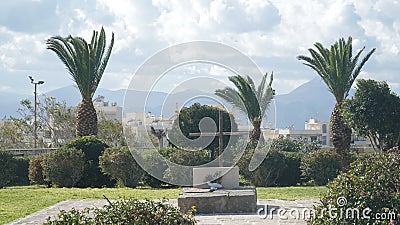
(13,170)
(268,173)
(155,166)
(92,148)
(291,174)
(119,164)
(63,167)
(126,212)
(21,173)
(371,184)
(8,168)
(321,166)
(36,170)
(279,168)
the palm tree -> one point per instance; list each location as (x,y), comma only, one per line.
(159,134)
(253,102)
(338,69)
(86,64)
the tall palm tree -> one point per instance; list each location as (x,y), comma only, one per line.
(249,99)
(338,69)
(86,63)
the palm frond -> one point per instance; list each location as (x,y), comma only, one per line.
(336,66)
(231,96)
(85,62)
(247,98)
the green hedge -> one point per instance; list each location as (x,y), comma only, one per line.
(21,175)
(13,170)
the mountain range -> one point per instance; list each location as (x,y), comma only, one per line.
(311,99)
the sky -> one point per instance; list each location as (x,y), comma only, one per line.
(271,32)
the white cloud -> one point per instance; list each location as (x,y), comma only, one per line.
(4,88)
(272,32)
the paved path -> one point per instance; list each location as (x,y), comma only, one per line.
(278,212)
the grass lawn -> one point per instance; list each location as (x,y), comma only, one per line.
(17,202)
(290,192)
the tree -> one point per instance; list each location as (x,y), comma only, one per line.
(338,69)
(111,131)
(86,64)
(56,123)
(287,145)
(57,120)
(159,134)
(54,118)
(11,135)
(189,120)
(251,101)
(374,112)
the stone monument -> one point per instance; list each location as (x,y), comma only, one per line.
(231,198)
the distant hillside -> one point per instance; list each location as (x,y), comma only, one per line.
(9,104)
(311,99)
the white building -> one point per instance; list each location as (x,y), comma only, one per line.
(318,131)
(314,131)
(139,124)
(109,111)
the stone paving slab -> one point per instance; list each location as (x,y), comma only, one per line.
(242,199)
(40,217)
(217,219)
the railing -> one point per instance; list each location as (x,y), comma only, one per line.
(30,152)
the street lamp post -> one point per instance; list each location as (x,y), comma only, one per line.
(34,109)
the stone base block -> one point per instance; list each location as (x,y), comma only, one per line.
(239,200)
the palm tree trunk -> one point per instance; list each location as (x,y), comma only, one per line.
(86,122)
(340,136)
(256,132)
(160,142)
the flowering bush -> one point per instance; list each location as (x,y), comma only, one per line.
(126,212)
(371,187)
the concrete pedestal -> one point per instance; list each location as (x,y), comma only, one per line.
(238,200)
